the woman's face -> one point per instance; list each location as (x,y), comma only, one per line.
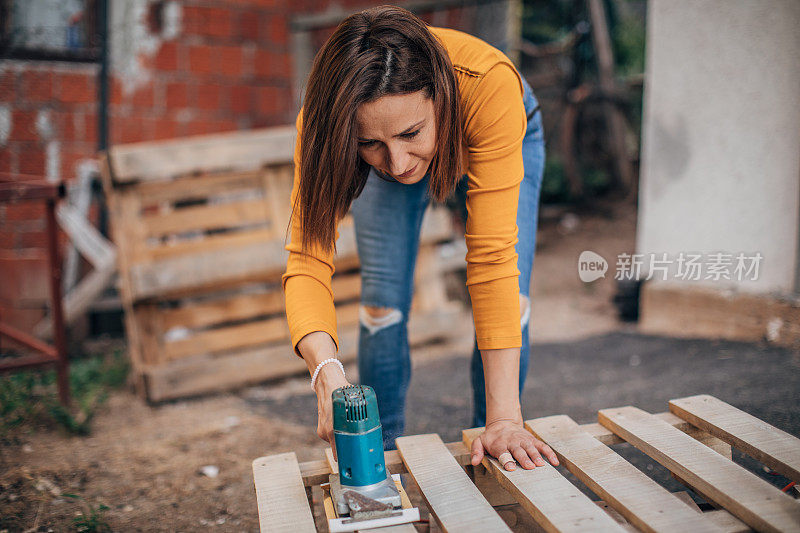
(397,135)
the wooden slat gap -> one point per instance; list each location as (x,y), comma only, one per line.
(552,500)
(638,498)
(717,479)
(765,443)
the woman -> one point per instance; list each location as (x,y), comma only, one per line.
(395,113)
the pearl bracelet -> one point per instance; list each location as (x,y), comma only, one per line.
(319,367)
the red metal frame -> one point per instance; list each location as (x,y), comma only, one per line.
(20,188)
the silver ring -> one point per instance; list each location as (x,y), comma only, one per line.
(505,457)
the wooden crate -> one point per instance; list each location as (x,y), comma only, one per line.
(693,440)
(200,224)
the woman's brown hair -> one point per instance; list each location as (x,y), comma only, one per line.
(380,51)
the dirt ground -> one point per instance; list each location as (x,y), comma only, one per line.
(150,465)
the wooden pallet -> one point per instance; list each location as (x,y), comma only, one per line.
(693,440)
(200,225)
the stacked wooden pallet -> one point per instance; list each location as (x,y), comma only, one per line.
(693,441)
(200,224)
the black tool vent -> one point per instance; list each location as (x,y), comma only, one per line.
(355,403)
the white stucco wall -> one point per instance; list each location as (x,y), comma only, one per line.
(721,134)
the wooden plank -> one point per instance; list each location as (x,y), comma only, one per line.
(427,274)
(718,445)
(79,197)
(775,448)
(237,150)
(555,503)
(206,217)
(207,243)
(128,232)
(754,501)
(281,496)
(437,225)
(195,187)
(201,374)
(150,333)
(332,463)
(643,502)
(727,521)
(198,315)
(86,239)
(230,338)
(245,255)
(452,498)
(608,438)
(491,489)
(201,263)
(240,307)
(134,338)
(242,335)
(260,260)
(117,210)
(278,181)
(78,300)
(316,472)
(346,287)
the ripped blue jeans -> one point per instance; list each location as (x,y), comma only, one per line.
(388,217)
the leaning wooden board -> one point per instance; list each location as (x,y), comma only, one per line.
(458,497)
(200,225)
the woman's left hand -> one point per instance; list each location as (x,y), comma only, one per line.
(511,437)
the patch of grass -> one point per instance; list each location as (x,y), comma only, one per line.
(31,397)
(90,518)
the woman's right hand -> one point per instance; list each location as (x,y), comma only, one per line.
(315,348)
(329,379)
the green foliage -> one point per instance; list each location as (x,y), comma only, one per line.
(545,21)
(628,41)
(554,183)
(555,189)
(91,518)
(595,181)
(30,397)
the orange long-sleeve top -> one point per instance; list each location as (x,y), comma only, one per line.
(494,122)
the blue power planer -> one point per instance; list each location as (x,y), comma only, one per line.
(363,489)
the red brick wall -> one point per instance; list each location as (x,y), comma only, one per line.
(228,67)
(50,113)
